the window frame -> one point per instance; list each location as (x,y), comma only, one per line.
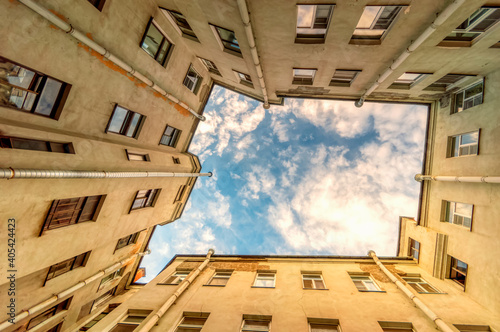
(298,80)
(127,122)
(195,316)
(453,271)
(180,193)
(178,275)
(149,198)
(323,323)
(68,265)
(448,215)
(255,318)
(210,66)
(266,278)
(396,326)
(186,30)
(38,83)
(165,38)
(451,145)
(414,247)
(313,276)
(111,277)
(196,84)
(75,219)
(421,281)
(174,138)
(344,83)
(472,328)
(139,156)
(235,50)
(313,38)
(128,240)
(11,142)
(368,40)
(359,277)
(132,313)
(222,275)
(244,79)
(49,313)
(98,4)
(408,84)
(454,109)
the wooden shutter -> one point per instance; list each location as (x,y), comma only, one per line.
(85,310)
(64,212)
(60,268)
(89,208)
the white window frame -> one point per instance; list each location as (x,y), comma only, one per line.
(417,285)
(242,78)
(313,277)
(259,277)
(181,275)
(193,327)
(211,66)
(133,313)
(194,81)
(365,280)
(220,275)
(111,277)
(458,140)
(450,215)
(243,329)
(298,76)
(477,99)
(371,31)
(305,32)
(487,12)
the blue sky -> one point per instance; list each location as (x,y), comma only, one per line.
(311,177)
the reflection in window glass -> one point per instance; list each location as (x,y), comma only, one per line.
(156,44)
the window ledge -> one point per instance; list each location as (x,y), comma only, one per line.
(161,283)
(372,291)
(315,289)
(262,287)
(215,285)
(52,321)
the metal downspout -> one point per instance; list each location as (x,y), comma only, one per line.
(440,19)
(149,324)
(18,173)
(470,179)
(242,5)
(81,37)
(43,305)
(421,305)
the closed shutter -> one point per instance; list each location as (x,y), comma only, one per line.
(89,208)
(64,212)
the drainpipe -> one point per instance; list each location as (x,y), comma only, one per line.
(427,311)
(149,324)
(473,179)
(440,19)
(81,37)
(43,305)
(18,173)
(242,5)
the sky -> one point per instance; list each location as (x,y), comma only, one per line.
(311,177)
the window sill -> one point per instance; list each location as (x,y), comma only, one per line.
(369,42)
(140,209)
(215,285)
(262,287)
(161,283)
(315,288)
(52,321)
(372,291)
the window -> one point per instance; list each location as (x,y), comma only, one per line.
(407,80)
(396,326)
(463,144)
(70,211)
(125,122)
(99,4)
(103,298)
(323,325)
(472,328)
(110,277)
(177,277)
(364,283)
(458,213)
(56,328)
(312,23)
(156,44)
(445,82)
(180,193)
(130,322)
(413,249)
(420,285)
(303,76)
(192,81)
(468,97)
(458,271)
(127,240)
(7,142)
(67,265)
(474,26)
(31,91)
(228,40)
(254,323)
(47,314)
(176,161)
(220,278)
(179,21)
(145,198)
(343,77)
(192,322)
(265,280)
(99,317)
(211,67)
(374,23)
(244,79)
(133,156)
(313,281)
(170,136)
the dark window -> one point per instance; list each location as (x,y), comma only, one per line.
(156,44)
(228,39)
(468,97)
(125,122)
(446,81)
(181,23)
(245,79)
(302,76)
(420,285)
(472,328)
(211,67)
(48,313)
(99,4)
(31,91)
(312,23)
(35,145)
(130,322)
(374,23)
(192,81)
(67,265)
(96,319)
(145,198)
(180,193)
(192,324)
(56,328)
(111,277)
(414,249)
(176,160)
(133,156)
(458,270)
(343,77)
(170,136)
(65,212)
(125,241)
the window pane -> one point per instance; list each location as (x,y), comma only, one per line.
(228,36)
(469,138)
(305,16)
(368,17)
(118,119)
(152,41)
(133,125)
(48,97)
(463,209)
(323,328)
(163,51)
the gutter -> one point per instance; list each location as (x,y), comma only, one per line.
(81,37)
(469,179)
